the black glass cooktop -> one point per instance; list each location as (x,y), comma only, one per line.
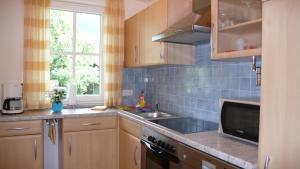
(187,125)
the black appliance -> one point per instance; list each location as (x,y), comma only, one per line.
(158,151)
(240,119)
(186,125)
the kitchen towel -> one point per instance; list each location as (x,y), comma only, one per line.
(52,130)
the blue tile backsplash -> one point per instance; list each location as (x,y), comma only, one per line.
(192,90)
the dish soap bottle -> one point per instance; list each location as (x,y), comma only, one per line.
(141,102)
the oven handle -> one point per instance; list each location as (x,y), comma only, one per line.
(149,147)
(162,154)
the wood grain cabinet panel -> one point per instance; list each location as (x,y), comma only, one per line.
(20,128)
(279,137)
(90,143)
(86,124)
(129,151)
(21,152)
(90,150)
(132,41)
(130,127)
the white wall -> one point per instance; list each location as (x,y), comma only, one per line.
(11,40)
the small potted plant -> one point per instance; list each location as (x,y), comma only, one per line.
(57,95)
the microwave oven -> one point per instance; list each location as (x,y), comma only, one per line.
(240,119)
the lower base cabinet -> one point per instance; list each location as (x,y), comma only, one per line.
(21,152)
(130,151)
(92,145)
(90,150)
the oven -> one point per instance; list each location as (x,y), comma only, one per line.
(158,151)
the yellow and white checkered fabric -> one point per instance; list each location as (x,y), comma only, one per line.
(36,53)
(113,51)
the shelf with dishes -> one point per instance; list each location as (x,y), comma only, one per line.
(237,28)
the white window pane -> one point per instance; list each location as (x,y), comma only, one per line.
(87,33)
(61,69)
(88,75)
(61,31)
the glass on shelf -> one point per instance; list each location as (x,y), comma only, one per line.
(250,4)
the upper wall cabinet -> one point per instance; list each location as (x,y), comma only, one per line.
(141,51)
(236,28)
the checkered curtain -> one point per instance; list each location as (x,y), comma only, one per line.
(113,51)
(36,53)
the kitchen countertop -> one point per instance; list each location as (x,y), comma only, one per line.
(48,114)
(236,152)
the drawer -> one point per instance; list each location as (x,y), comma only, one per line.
(130,127)
(194,158)
(85,124)
(20,128)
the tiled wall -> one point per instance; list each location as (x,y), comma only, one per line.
(192,90)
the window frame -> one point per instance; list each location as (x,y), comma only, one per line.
(83,100)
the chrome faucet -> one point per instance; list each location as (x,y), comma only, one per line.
(156,107)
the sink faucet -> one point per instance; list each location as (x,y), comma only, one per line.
(156,107)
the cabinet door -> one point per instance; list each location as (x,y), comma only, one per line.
(90,150)
(132,49)
(154,21)
(279,118)
(130,151)
(178,9)
(24,152)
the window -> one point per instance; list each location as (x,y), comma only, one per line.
(76,53)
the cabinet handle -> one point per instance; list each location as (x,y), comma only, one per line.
(18,129)
(211,37)
(135,54)
(161,51)
(70,147)
(91,124)
(267,162)
(35,149)
(135,160)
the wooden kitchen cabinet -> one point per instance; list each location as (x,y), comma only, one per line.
(21,145)
(279,118)
(130,151)
(141,51)
(129,144)
(235,32)
(92,146)
(132,41)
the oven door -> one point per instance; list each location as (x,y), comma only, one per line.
(155,158)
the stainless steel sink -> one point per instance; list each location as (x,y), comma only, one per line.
(154,115)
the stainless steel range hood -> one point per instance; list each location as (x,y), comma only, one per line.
(190,30)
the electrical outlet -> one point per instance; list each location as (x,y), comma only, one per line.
(127,92)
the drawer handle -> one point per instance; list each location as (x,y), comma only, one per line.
(35,149)
(18,129)
(91,124)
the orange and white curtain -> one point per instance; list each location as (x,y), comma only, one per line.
(113,51)
(36,53)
